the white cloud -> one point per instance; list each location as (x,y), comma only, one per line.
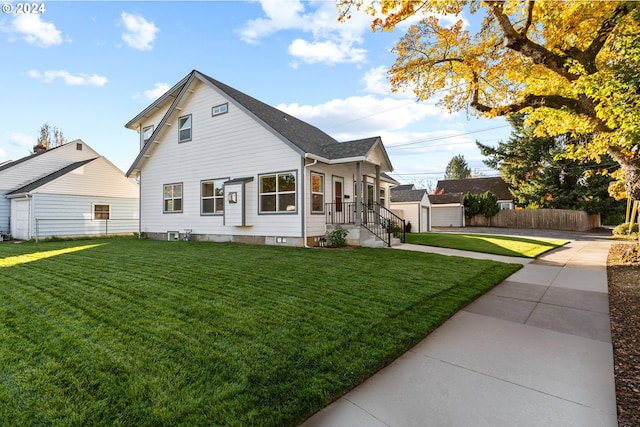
(375,81)
(69,79)
(330,41)
(362,116)
(327,52)
(35,31)
(155,93)
(139,33)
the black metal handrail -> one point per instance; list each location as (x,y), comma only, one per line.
(376,218)
(383,223)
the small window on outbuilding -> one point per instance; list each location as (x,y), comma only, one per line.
(101,211)
(79,146)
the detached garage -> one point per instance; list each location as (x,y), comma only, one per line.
(414,206)
(447,210)
(88,197)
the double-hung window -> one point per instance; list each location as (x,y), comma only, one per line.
(278,192)
(101,211)
(173,198)
(184,128)
(317,192)
(212,197)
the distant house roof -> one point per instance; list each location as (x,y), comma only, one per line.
(307,138)
(476,186)
(405,196)
(446,198)
(49,178)
(404,187)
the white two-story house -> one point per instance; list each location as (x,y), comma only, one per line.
(219,165)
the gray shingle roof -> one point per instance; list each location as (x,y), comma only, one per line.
(477,186)
(51,177)
(307,138)
(404,196)
(446,198)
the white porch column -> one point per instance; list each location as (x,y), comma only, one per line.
(358,178)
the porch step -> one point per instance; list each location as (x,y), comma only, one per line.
(360,236)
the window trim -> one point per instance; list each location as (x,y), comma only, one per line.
(93,211)
(226,109)
(277,193)
(214,197)
(312,193)
(164,211)
(189,116)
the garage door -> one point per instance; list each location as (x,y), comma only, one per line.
(446,216)
(20,220)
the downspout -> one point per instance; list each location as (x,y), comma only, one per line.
(304,198)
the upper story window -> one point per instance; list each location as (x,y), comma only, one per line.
(146,134)
(219,109)
(172,198)
(278,192)
(184,128)
(317,192)
(212,195)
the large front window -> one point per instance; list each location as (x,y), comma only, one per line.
(278,192)
(212,194)
(317,192)
(173,198)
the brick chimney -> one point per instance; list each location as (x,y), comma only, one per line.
(38,149)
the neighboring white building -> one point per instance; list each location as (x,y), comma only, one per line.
(69,190)
(227,167)
(414,205)
(447,210)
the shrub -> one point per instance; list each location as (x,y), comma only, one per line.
(489,204)
(623,229)
(337,238)
(471,205)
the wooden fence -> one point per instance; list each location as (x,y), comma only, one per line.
(549,219)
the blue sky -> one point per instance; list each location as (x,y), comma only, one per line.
(89,67)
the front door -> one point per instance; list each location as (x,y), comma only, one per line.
(338,193)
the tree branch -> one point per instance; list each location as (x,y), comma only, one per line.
(607,28)
(520,43)
(529,19)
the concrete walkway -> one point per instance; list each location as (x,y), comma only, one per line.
(534,351)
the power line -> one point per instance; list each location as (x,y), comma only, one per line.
(439,138)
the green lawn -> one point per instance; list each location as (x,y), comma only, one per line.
(148,333)
(498,245)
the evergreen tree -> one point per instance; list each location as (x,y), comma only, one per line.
(457,168)
(541,177)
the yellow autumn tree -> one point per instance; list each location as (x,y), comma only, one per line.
(571,66)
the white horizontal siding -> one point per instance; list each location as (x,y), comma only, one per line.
(231,145)
(44,164)
(96,178)
(68,215)
(5,211)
